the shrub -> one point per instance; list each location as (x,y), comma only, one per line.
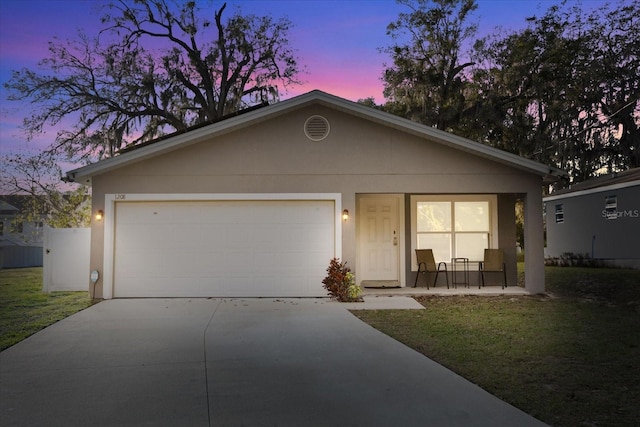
(569,259)
(340,282)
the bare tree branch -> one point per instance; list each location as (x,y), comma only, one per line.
(155,68)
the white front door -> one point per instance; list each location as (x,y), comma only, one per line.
(379,240)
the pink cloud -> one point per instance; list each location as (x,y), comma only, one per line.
(349,85)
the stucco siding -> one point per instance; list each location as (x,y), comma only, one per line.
(354,147)
(507,236)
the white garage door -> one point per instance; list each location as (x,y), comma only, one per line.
(222,248)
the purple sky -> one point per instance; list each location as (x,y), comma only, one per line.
(336,40)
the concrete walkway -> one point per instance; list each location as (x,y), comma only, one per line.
(443,291)
(233,362)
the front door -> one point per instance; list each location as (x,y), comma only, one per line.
(379,241)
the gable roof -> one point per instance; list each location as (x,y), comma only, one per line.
(83,175)
(613,181)
(14,203)
(7,208)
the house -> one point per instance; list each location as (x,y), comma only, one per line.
(599,217)
(14,230)
(7,214)
(20,240)
(258,204)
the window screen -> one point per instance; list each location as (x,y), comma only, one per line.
(559,214)
(611,207)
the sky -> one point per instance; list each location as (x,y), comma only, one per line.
(337,41)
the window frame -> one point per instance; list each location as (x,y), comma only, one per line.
(611,206)
(492,200)
(559,212)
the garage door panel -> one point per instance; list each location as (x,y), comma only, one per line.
(192,237)
(146,213)
(222,248)
(229,287)
(316,214)
(186,264)
(239,237)
(267,263)
(206,236)
(236,262)
(223,213)
(303,238)
(138,237)
(153,266)
(268,236)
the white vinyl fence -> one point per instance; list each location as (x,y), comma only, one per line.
(66,259)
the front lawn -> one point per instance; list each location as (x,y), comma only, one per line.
(25,309)
(570,359)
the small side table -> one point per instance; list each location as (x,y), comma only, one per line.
(460,272)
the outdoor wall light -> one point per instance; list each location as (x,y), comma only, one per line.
(99,215)
(345,215)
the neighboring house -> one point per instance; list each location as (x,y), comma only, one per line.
(7,213)
(13,230)
(20,241)
(257,204)
(599,217)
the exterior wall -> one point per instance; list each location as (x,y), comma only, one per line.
(357,157)
(533,240)
(587,230)
(507,236)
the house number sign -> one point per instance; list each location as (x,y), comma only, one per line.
(121,197)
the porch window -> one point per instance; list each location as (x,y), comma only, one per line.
(453,226)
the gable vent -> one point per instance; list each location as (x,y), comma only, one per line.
(316,128)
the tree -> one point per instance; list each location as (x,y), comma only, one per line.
(38,179)
(156,67)
(427,81)
(617,49)
(565,91)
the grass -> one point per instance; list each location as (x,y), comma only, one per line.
(25,309)
(569,359)
(608,285)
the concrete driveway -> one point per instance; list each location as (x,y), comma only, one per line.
(232,362)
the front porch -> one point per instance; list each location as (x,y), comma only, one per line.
(454,226)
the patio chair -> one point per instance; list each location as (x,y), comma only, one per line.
(493,263)
(427,264)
